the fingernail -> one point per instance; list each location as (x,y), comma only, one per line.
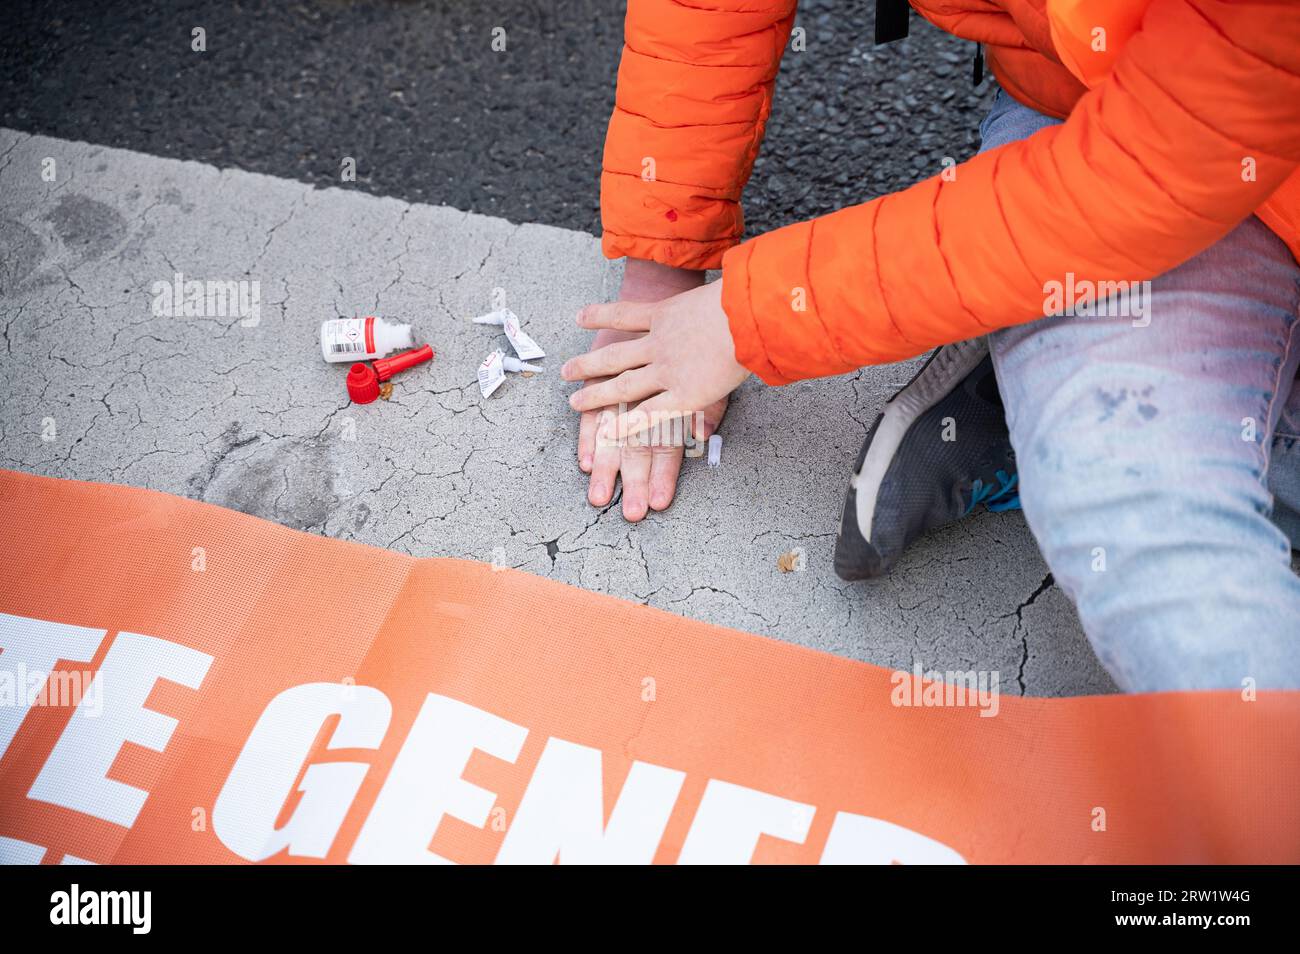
(585,463)
(573,400)
(564,369)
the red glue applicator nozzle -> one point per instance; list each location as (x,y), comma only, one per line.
(387,367)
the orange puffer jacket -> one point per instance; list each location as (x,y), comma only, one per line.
(1183,119)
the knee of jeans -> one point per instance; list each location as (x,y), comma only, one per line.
(1150,543)
(1095,511)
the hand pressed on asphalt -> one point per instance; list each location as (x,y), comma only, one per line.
(684,362)
(649,472)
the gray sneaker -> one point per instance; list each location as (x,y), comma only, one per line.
(938,450)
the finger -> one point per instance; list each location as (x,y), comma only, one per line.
(634,468)
(604,468)
(619,315)
(607,360)
(628,387)
(586,440)
(665,466)
(696,431)
(708,420)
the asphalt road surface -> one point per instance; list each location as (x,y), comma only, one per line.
(415,93)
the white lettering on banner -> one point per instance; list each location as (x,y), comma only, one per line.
(731,818)
(560,816)
(859,840)
(35,646)
(425,782)
(87,748)
(262,780)
(15,852)
(562,813)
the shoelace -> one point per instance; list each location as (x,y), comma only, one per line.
(996,500)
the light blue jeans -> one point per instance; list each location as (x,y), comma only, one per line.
(1160,465)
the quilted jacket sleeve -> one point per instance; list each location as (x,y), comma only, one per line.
(1149,169)
(694,93)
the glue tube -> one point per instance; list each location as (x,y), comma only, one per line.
(492,372)
(359,339)
(519,339)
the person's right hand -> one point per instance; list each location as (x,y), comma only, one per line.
(649,472)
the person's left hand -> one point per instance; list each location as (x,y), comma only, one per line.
(685,362)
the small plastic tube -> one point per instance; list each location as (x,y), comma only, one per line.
(515,365)
(715,450)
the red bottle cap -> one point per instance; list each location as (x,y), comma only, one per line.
(387,367)
(363,383)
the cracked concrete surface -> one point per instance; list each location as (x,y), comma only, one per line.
(247,415)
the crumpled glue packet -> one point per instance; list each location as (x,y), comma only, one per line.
(525,347)
(492,372)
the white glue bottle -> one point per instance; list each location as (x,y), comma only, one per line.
(359,339)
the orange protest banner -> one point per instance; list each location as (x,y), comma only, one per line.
(180,683)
